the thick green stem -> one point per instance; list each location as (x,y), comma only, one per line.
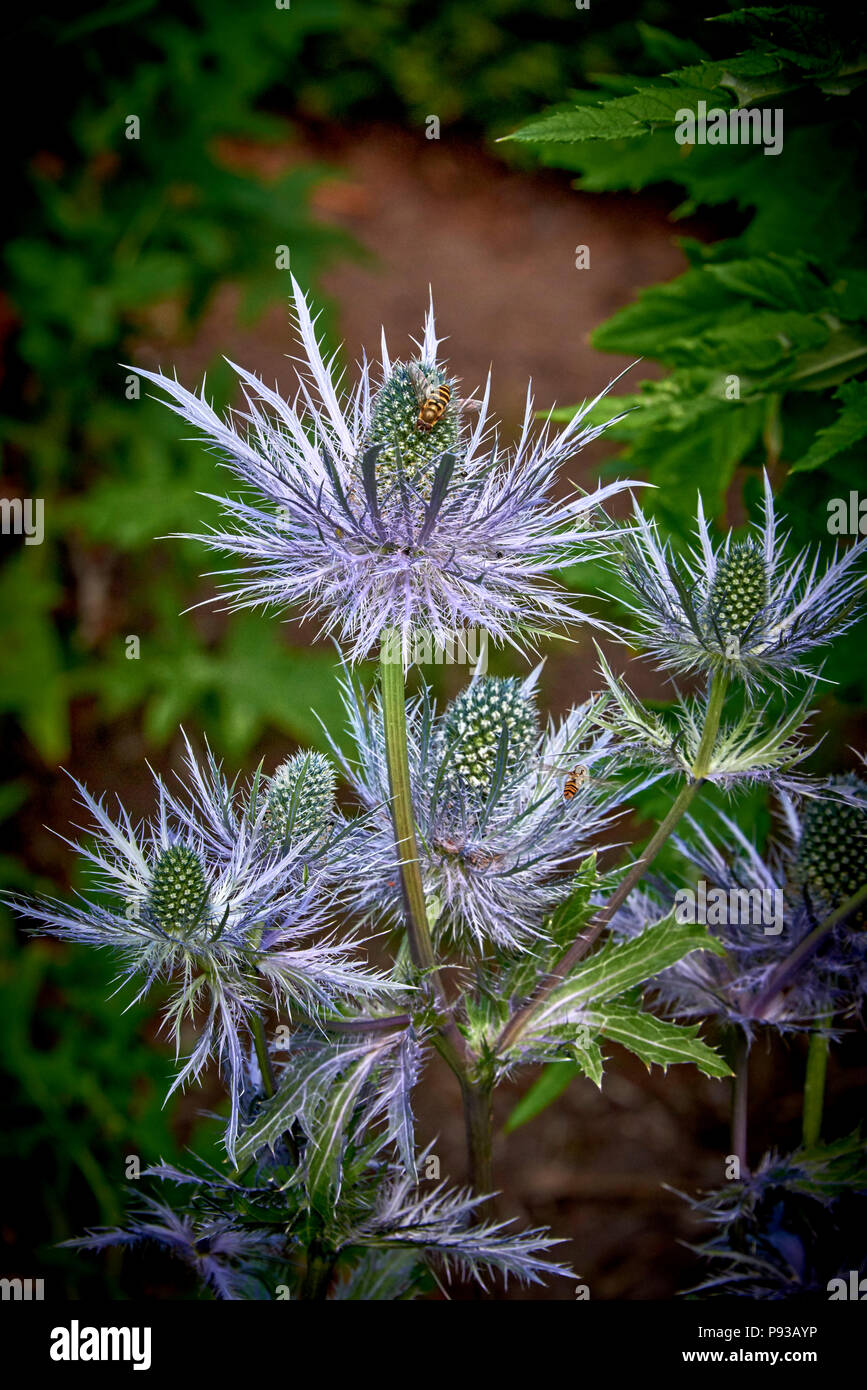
(262,1055)
(447,1039)
(478,1112)
(599,922)
(713,714)
(317,1275)
(397,758)
(740,1103)
(814,1088)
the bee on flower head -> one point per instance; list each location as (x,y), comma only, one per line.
(475,855)
(576,778)
(434,399)
(433,408)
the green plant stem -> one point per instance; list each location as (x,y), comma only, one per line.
(447,1039)
(713,715)
(740,1102)
(317,1275)
(397,758)
(262,1056)
(478,1112)
(793,962)
(814,1087)
(594,929)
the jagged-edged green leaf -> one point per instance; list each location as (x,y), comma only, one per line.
(692,304)
(307,1080)
(849,427)
(721,438)
(384,1276)
(780,282)
(401,1124)
(333,1130)
(766,343)
(629,116)
(615,968)
(571,916)
(655,1039)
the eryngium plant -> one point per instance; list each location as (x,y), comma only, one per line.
(387,512)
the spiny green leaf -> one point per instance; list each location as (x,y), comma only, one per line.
(656,1039)
(571,916)
(616,967)
(333,1130)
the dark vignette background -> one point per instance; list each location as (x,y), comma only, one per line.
(306,128)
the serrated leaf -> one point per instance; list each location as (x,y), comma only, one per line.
(627,117)
(296,1097)
(779,282)
(616,967)
(656,1040)
(692,304)
(401,1124)
(765,342)
(849,426)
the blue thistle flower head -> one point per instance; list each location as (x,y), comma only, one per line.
(790,1228)
(203,897)
(393,506)
(829,863)
(299,800)
(231,1260)
(747,607)
(488,734)
(496,832)
(816,863)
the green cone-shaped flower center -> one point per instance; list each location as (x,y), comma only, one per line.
(738,594)
(405,447)
(178,898)
(832,853)
(473,727)
(300,798)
